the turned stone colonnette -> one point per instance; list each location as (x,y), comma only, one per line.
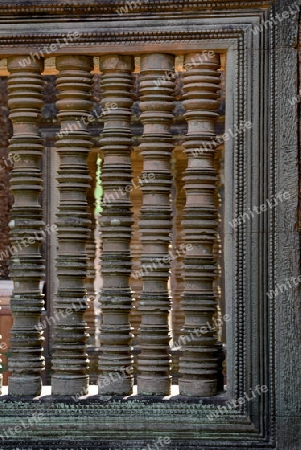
(198,365)
(116,227)
(155,223)
(27,268)
(70,361)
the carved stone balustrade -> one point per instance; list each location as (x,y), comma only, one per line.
(144,243)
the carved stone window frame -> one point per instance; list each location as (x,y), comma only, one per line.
(263,335)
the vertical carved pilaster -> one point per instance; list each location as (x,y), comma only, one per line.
(155,223)
(70,359)
(198,365)
(25,101)
(116,227)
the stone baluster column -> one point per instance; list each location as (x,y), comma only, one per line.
(155,222)
(198,365)
(115,362)
(27,268)
(70,359)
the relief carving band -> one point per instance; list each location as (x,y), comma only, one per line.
(198,365)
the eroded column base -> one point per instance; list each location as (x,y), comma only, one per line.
(153,386)
(114,384)
(74,386)
(24,386)
(197,388)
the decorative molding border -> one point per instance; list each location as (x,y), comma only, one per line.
(107,6)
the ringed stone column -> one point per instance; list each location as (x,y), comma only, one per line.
(198,365)
(115,362)
(155,223)
(27,267)
(70,361)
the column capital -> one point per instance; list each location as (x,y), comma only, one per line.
(116,63)
(25,63)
